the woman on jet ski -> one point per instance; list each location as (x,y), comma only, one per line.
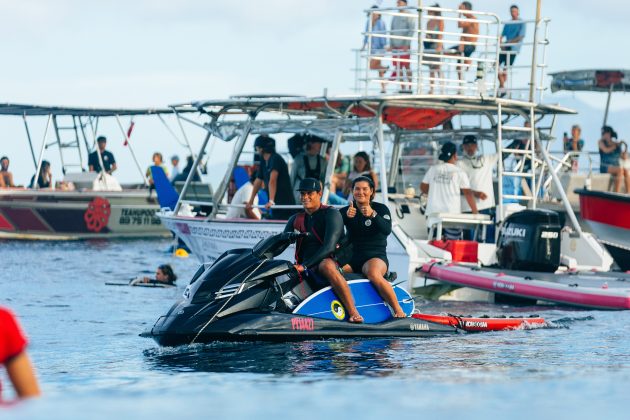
(368,225)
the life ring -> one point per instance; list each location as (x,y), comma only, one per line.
(97,214)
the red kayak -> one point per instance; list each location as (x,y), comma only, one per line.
(472,324)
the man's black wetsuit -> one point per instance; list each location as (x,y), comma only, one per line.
(326,230)
(368,235)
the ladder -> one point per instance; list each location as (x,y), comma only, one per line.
(70,143)
(528,178)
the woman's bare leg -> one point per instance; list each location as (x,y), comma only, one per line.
(375,270)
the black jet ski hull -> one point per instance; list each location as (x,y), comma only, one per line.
(282,327)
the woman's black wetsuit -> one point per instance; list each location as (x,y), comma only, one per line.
(368,235)
(326,230)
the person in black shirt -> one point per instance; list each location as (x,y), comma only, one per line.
(369,224)
(44,180)
(316,251)
(274,173)
(94,164)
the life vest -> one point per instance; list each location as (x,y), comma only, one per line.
(299,224)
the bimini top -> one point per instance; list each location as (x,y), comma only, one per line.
(37,110)
(407,112)
(591,80)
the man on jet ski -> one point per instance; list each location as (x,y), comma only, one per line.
(316,251)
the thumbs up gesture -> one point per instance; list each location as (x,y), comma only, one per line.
(352,211)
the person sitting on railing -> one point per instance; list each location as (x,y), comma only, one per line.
(44,180)
(368,224)
(402,26)
(109,162)
(308,164)
(6,177)
(242,196)
(274,175)
(444,183)
(470,30)
(361,167)
(378,43)
(315,253)
(433,45)
(513,33)
(609,155)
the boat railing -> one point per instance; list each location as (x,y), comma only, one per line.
(430,63)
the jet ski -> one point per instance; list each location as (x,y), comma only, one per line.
(247,295)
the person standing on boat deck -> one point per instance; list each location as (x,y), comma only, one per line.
(274,173)
(378,43)
(470,30)
(513,33)
(402,26)
(109,162)
(479,169)
(44,180)
(175,171)
(433,45)
(308,164)
(573,145)
(444,183)
(609,155)
(14,358)
(368,224)
(6,177)
(315,253)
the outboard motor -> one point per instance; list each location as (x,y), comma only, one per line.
(530,240)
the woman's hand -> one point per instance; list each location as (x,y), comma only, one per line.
(366,210)
(352,211)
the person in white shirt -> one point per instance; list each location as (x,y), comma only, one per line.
(175,171)
(444,183)
(241,196)
(479,170)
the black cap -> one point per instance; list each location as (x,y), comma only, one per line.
(101,139)
(448,150)
(309,184)
(470,139)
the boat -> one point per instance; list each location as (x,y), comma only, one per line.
(582,290)
(403,132)
(605,213)
(83,205)
(249,295)
(608,215)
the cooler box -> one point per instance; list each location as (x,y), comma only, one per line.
(462,251)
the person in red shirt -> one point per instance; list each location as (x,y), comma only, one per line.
(14,357)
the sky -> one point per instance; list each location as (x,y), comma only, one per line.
(152,53)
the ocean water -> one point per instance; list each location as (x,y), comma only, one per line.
(91,363)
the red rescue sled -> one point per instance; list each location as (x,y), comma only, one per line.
(478,324)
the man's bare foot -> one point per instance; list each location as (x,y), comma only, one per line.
(400,315)
(355,319)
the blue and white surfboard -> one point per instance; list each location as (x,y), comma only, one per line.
(325,304)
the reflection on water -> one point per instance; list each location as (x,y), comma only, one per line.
(340,357)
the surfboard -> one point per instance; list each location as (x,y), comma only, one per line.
(325,304)
(159,285)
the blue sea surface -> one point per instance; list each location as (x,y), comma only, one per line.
(91,363)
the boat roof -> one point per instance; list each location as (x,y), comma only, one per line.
(594,80)
(39,110)
(412,112)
